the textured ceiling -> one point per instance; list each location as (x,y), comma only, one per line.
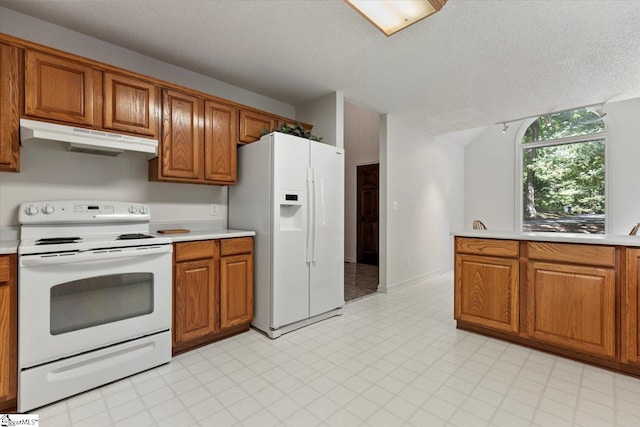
(472,64)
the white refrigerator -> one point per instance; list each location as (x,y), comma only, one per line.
(290,190)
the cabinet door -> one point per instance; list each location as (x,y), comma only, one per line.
(220,136)
(572,306)
(130,105)
(631,310)
(10,61)
(8,332)
(253,124)
(182,133)
(486,291)
(58,89)
(195,300)
(236,290)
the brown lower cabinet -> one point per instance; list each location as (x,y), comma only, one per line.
(631,310)
(8,332)
(576,300)
(212,291)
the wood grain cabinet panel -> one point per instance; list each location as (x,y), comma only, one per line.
(220,136)
(130,105)
(631,310)
(10,89)
(236,290)
(195,301)
(58,88)
(8,332)
(182,134)
(253,124)
(486,291)
(572,306)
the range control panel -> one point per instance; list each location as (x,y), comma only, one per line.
(74,211)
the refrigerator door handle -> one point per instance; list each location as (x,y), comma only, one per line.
(316,222)
(310,212)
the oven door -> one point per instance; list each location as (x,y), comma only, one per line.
(70,303)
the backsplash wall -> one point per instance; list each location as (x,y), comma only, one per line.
(48,172)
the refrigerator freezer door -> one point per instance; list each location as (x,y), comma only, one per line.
(326,285)
(290,292)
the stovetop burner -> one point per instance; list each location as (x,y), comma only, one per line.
(132,236)
(57,240)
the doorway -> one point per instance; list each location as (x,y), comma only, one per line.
(361,277)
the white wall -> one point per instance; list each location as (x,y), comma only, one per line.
(424,176)
(489,193)
(48,174)
(361,144)
(327,116)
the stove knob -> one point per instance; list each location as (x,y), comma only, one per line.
(48,210)
(133,209)
(144,210)
(32,210)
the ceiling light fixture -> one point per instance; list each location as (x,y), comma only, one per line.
(505,127)
(391,16)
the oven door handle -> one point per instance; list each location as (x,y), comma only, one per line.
(96,255)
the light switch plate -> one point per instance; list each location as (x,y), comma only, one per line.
(214,209)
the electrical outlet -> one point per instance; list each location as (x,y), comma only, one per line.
(214,209)
(394,206)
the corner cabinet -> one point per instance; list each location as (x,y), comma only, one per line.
(486,283)
(631,310)
(212,291)
(198,142)
(10,90)
(8,333)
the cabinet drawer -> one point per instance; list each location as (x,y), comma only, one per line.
(4,269)
(572,253)
(241,245)
(506,248)
(196,250)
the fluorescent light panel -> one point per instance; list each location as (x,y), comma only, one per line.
(391,16)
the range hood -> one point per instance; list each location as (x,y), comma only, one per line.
(85,140)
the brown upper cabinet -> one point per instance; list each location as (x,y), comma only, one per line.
(58,89)
(10,84)
(198,141)
(253,124)
(130,105)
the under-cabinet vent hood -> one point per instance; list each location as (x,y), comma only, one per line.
(85,140)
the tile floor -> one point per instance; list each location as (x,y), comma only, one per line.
(359,280)
(392,359)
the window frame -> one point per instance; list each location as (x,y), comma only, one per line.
(520,147)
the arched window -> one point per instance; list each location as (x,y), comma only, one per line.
(562,160)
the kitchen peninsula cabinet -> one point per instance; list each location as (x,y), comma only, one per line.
(130,105)
(58,88)
(8,332)
(10,84)
(571,296)
(486,283)
(631,310)
(212,291)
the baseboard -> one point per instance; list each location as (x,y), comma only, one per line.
(419,278)
(349,260)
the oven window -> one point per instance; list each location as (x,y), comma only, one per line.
(98,300)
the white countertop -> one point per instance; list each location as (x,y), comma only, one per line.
(592,239)
(9,246)
(206,235)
